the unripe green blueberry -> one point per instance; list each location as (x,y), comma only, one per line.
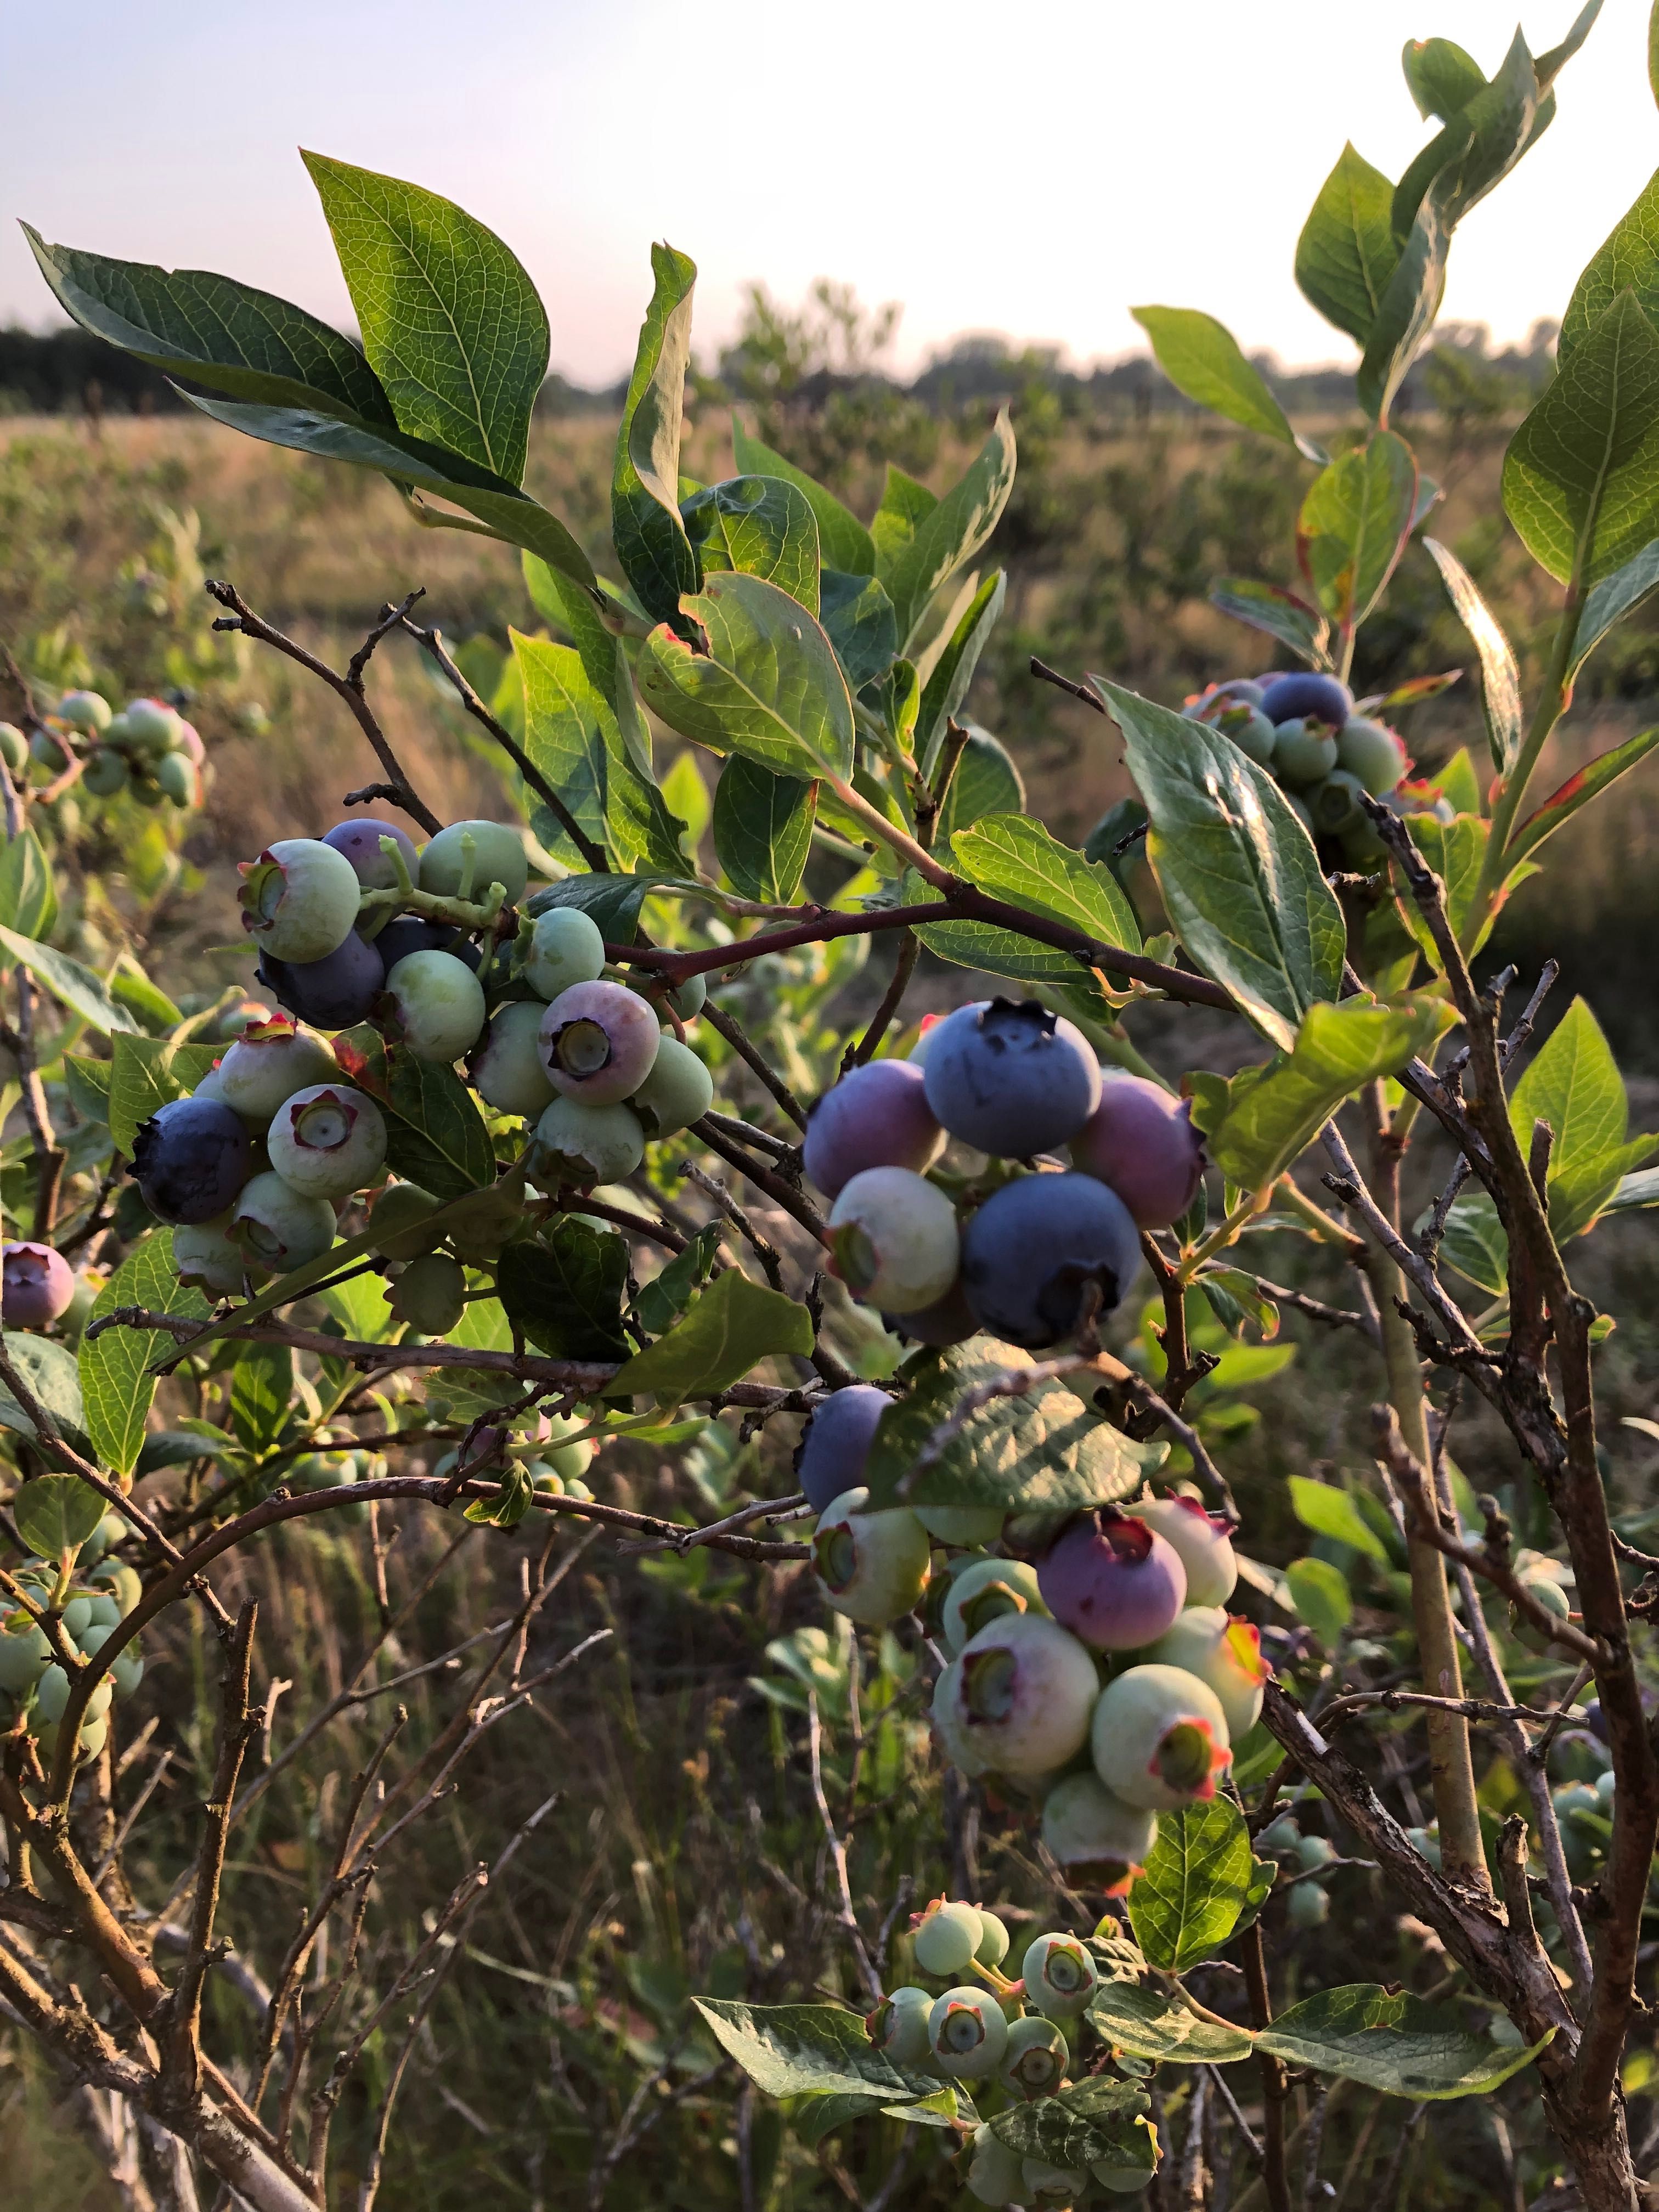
(997,2175)
(150,724)
(90,712)
(278,1226)
(430,1294)
(567,1459)
(268,1062)
(1370,751)
(565,948)
(1024,1694)
(599,1041)
(507,1068)
(1305,751)
(49,752)
(52,1691)
(982,1593)
(77,1618)
(1202,1541)
(14,747)
(992,1948)
(1123,2180)
(584,1145)
(398,1219)
(497,857)
(678,1090)
(898,2026)
(1334,803)
(1544,1590)
(1224,1653)
(1159,1738)
(963,1528)
(950,1725)
(1309,1906)
(687,999)
(111,1531)
(1061,1976)
(120,1580)
(126,1670)
(104,773)
(94,1735)
(327,1140)
(1280,1835)
(872,1566)
(1099,1841)
(1051,2188)
(180,779)
(1314,1852)
(967,2033)
(948,1938)
(437,1003)
(25,1653)
(1034,2058)
(1249,729)
(204,1256)
(145,789)
(298,898)
(895,1239)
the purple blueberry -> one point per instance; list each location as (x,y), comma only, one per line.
(36,1285)
(1010,1080)
(361,843)
(409,933)
(1141,1142)
(1289,698)
(333,993)
(1113,1582)
(876,1116)
(190,1159)
(835,1443)
(1036,1247)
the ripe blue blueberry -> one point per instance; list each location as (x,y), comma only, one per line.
(1039,1248)
(333,993)
(328,1140)
(565,948)
(36,1285)
(598,1042)
(507,1068)
(1011,1080)
(437,1003)
(895,1239)
(496,856)
(1289,697)
(876,1116)
(408,932)
(949,1320)
(1141,1142)
(1113,1582)
(1099,1841)
(360,841)
(835,1443)
(298,898)
(190,1158)
(280,1227)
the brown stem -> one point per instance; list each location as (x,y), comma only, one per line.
(1274,2178)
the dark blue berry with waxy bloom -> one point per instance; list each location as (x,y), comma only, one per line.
(190,1159)
(1040,1249)
(1288,698)
(835,1443)
(333,993)
(1012,1079)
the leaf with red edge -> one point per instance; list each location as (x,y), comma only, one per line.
(435,1135)
(1585,784)
(1408,695)
(1280,613)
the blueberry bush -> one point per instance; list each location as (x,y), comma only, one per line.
(436,1221)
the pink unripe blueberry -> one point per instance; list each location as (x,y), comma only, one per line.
(1100,1842)
(1023,1694)
(38,1283)
(876,1116)
(1140,1141)
(360,841)
(598,1042)
(1112,1580)
(1159,1738)
(1226,1654)
(1203,1540)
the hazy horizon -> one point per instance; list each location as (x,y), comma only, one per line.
(1036,190)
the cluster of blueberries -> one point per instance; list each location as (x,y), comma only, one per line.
(102,1592)
(1017,2034)
(1302,729)
(148,749)
(254,1167)
(1098,1676)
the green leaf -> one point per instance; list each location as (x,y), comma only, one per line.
(1346,253)
(77,987)
(1456,851)
(261,1393)
(953,672)
(1149,2025)
(768,685)
(114,1367)
(130,987)
(451,322)
(947,537)
(146,1074)
(573,736)
(1354,525)
(794,2051)
(859,620)
(1186,1901)
(759,526)
(1332,1512)
(612,901)
(656,554)
(843,541)
(666,1295)
(986,782)
(436,1136)
(1575,1085)
(987,948)
(1238,872)
(762,830)
(734,1324)
(1581,787)
(1500,678)
(1201,358)
(565,1290)
(1321,1598)
(509,1505)
(1628,261)
(1394,2042)
(1440,76)
(1016,859)
(28,900)
(50,1373)
(1581,476)
(1635,1192)
(56,1513)
(189,323)
(1613,598)
(88,1083)
(1280,613)
(1474,1244)
(1044,1450)
(905,506)
(1097,2120)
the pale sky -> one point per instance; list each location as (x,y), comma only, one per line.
(1035,169)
